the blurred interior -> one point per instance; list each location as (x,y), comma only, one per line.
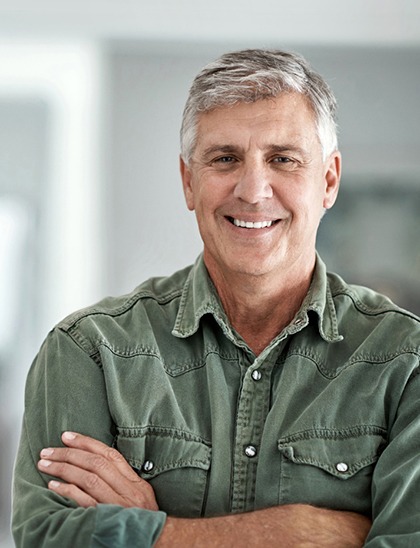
(91,97)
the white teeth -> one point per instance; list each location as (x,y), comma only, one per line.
(250,224)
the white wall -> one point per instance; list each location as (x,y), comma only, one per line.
(50,206)
(149,230)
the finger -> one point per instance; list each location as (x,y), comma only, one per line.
(79,441)
(108,470)
(80,480)
(125,493)
(73,465)
(72,492)
(115,481)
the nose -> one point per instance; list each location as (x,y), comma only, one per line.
(253,184)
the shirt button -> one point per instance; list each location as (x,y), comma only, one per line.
(298,321)
(256,375)
(342,467)
(148,466)
(250,451)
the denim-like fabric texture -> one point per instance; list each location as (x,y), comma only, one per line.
(128,532)
(328,414)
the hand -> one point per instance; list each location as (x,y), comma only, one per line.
(94,473)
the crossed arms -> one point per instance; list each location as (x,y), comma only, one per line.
(95,480)
(92,473)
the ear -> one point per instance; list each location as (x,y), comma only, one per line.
(332,179)
(186,177)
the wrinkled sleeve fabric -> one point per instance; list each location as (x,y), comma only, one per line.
(66,390)
(396,480)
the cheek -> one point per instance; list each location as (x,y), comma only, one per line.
(212,196)
(308,208)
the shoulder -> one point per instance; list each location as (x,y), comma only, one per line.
(122,317)
(366,300)
(359,308)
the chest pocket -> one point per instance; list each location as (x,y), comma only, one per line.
(330,468)
(174,462)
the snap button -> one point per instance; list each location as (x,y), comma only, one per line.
(256,375)
(148,466)
(342,467)
(250,451)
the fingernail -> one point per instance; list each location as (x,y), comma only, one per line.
(54,484)
(69,435)
(47,452)
(45,463)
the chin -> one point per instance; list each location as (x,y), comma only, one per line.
(252,268)
(243,263)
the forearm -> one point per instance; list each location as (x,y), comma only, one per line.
(294,526)
(298,525)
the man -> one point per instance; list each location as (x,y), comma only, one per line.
(252,399)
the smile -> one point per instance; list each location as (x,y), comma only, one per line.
(250,224)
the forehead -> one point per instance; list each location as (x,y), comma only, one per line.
(287,116)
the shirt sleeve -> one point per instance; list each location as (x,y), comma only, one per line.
(396,479)
(66,390)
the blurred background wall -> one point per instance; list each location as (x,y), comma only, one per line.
(91,96)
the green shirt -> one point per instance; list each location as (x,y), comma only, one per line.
(328,414)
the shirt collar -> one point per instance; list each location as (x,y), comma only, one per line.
(199,297)
(320,300)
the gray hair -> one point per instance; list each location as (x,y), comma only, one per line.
(251,75)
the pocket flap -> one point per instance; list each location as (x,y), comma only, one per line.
(341,453)
(153,450)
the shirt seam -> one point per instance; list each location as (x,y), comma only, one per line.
(391,308)
(71,322)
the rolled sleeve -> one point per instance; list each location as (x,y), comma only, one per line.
(116,526)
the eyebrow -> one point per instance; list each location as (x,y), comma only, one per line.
(288,147)
(270,148)
(224,149)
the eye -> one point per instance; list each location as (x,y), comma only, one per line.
(224,163)
(282,160)
(224,160)
(284,163)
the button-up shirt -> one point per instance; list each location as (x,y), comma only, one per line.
(328,414)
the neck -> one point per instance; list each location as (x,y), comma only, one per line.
(258,307)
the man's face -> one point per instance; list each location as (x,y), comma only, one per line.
(259,186)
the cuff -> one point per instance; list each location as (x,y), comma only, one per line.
(118,527)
